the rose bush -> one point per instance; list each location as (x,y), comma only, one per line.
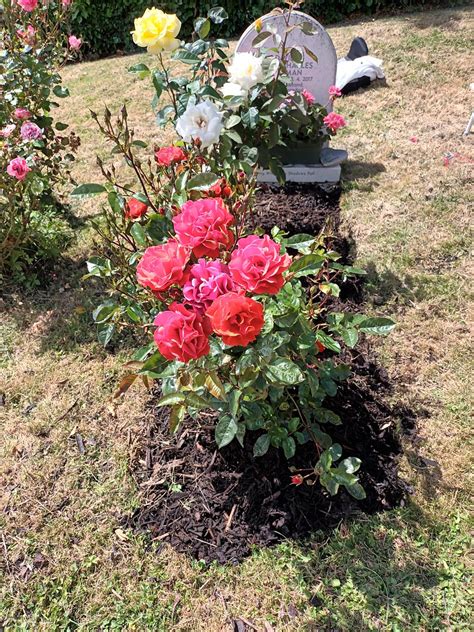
(241,321)
(35,150)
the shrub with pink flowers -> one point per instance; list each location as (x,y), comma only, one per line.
(240,320)
(35,147)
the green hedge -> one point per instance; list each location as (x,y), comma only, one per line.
(105,25)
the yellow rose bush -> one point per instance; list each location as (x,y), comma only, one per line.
(157,31)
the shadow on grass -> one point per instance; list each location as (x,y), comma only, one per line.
(59,312)
(373,566)
(354,171)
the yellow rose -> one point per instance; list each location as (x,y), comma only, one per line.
(157,31)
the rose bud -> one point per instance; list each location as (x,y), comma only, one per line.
(297,479)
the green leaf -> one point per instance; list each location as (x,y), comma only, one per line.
(296,56)
(232,121)
(350,337)
(357,491)
(202,182)
(301,242)
(214,385)
(217,15)
(328,341)
(141,70)
(186,57)
(171,399)
(284,371)
(104,312)
(105,333)
(377,326)
(261,37)
(226,429)
(88,190)
(289,447)
(234,400)
(176,417)
(261,445)
(351,464)
(307,264)
(202,26)
(61,92)
(138,234)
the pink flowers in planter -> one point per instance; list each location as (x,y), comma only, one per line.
(334,92)
(214,293)
(308,97)
(18,168)
(334,121)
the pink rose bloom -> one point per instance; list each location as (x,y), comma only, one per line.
(181,334)
(28,5)
(18,168)
(22,113)
(27,36)
(66,3)
(163,266)
(30,131)
(308,96)
(207,280)
(334,92)
(257,266)
(334,121)
(7,130)
(75,42)
(203,225)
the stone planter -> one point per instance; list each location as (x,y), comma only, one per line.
(299,153)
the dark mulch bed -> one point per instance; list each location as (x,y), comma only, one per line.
(215,504)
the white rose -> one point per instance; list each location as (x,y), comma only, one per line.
(246,70)
(233,90)
(203,121)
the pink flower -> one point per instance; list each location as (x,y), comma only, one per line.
(182,334)
(207,281)
(22,113)
(66,3)
(30,131)
(257,266)
(75,42)
(27,36)
(203,225)
(7,130)
(413,139)
(334,92)
(334,121)
(308,96)
(163,266)
(18,168)
(28,5)
(167,156)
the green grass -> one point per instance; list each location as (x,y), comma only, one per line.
(68,561)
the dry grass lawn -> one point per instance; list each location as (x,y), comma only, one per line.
(67,562)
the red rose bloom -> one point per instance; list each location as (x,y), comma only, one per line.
(236,318)
(134,209)
(297,479)
(163,266)
(203,225)
(257,265)
(171,155)
(181,334)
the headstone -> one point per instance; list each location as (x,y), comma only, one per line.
(316,77)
